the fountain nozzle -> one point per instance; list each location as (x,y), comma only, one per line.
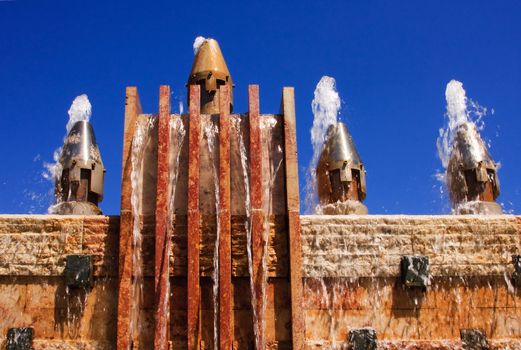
(341,174)
(472,174)
(209,70)
(79,188)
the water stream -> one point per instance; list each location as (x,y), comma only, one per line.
(139,142)
(247,222)
(464,122)
(326,301)
(210,131)
(326,106)
(267,125)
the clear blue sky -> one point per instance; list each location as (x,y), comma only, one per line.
(391,61)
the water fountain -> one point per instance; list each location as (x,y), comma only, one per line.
(210,249)
(336,173)
(206,209)
(471,173)
(78,172)
(341,174)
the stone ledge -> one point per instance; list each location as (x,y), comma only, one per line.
(372,245)
(36,245)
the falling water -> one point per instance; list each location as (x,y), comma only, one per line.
(326,300)
(247,224)
(141,136)
(210,131)
(267,124)
(76,301)
(326,106)
(178,132)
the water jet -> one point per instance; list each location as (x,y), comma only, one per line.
(471,173)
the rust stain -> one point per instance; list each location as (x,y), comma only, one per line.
(225,243)
(257,214)
(162,234)
(194,223)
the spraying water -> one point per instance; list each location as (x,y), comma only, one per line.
(461,111)
(326,106)
(197,43)
(458,115)
(80,109)
(463,153)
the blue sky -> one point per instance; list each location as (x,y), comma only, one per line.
(391,61)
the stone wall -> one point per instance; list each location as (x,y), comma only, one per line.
(371,246)
(351,280)
(32,288)
(352,270)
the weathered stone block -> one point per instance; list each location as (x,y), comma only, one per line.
(362,339)
(20,338)
(474,339)
(415,271)
(516,276)
(78,271)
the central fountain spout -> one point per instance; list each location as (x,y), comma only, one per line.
(472,174)
(80,187)
(209,70)
(341,174)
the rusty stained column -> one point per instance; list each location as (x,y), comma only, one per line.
(293,207)
(194,223)
(132,111)
(225,240)
(162,233)
(257,213)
